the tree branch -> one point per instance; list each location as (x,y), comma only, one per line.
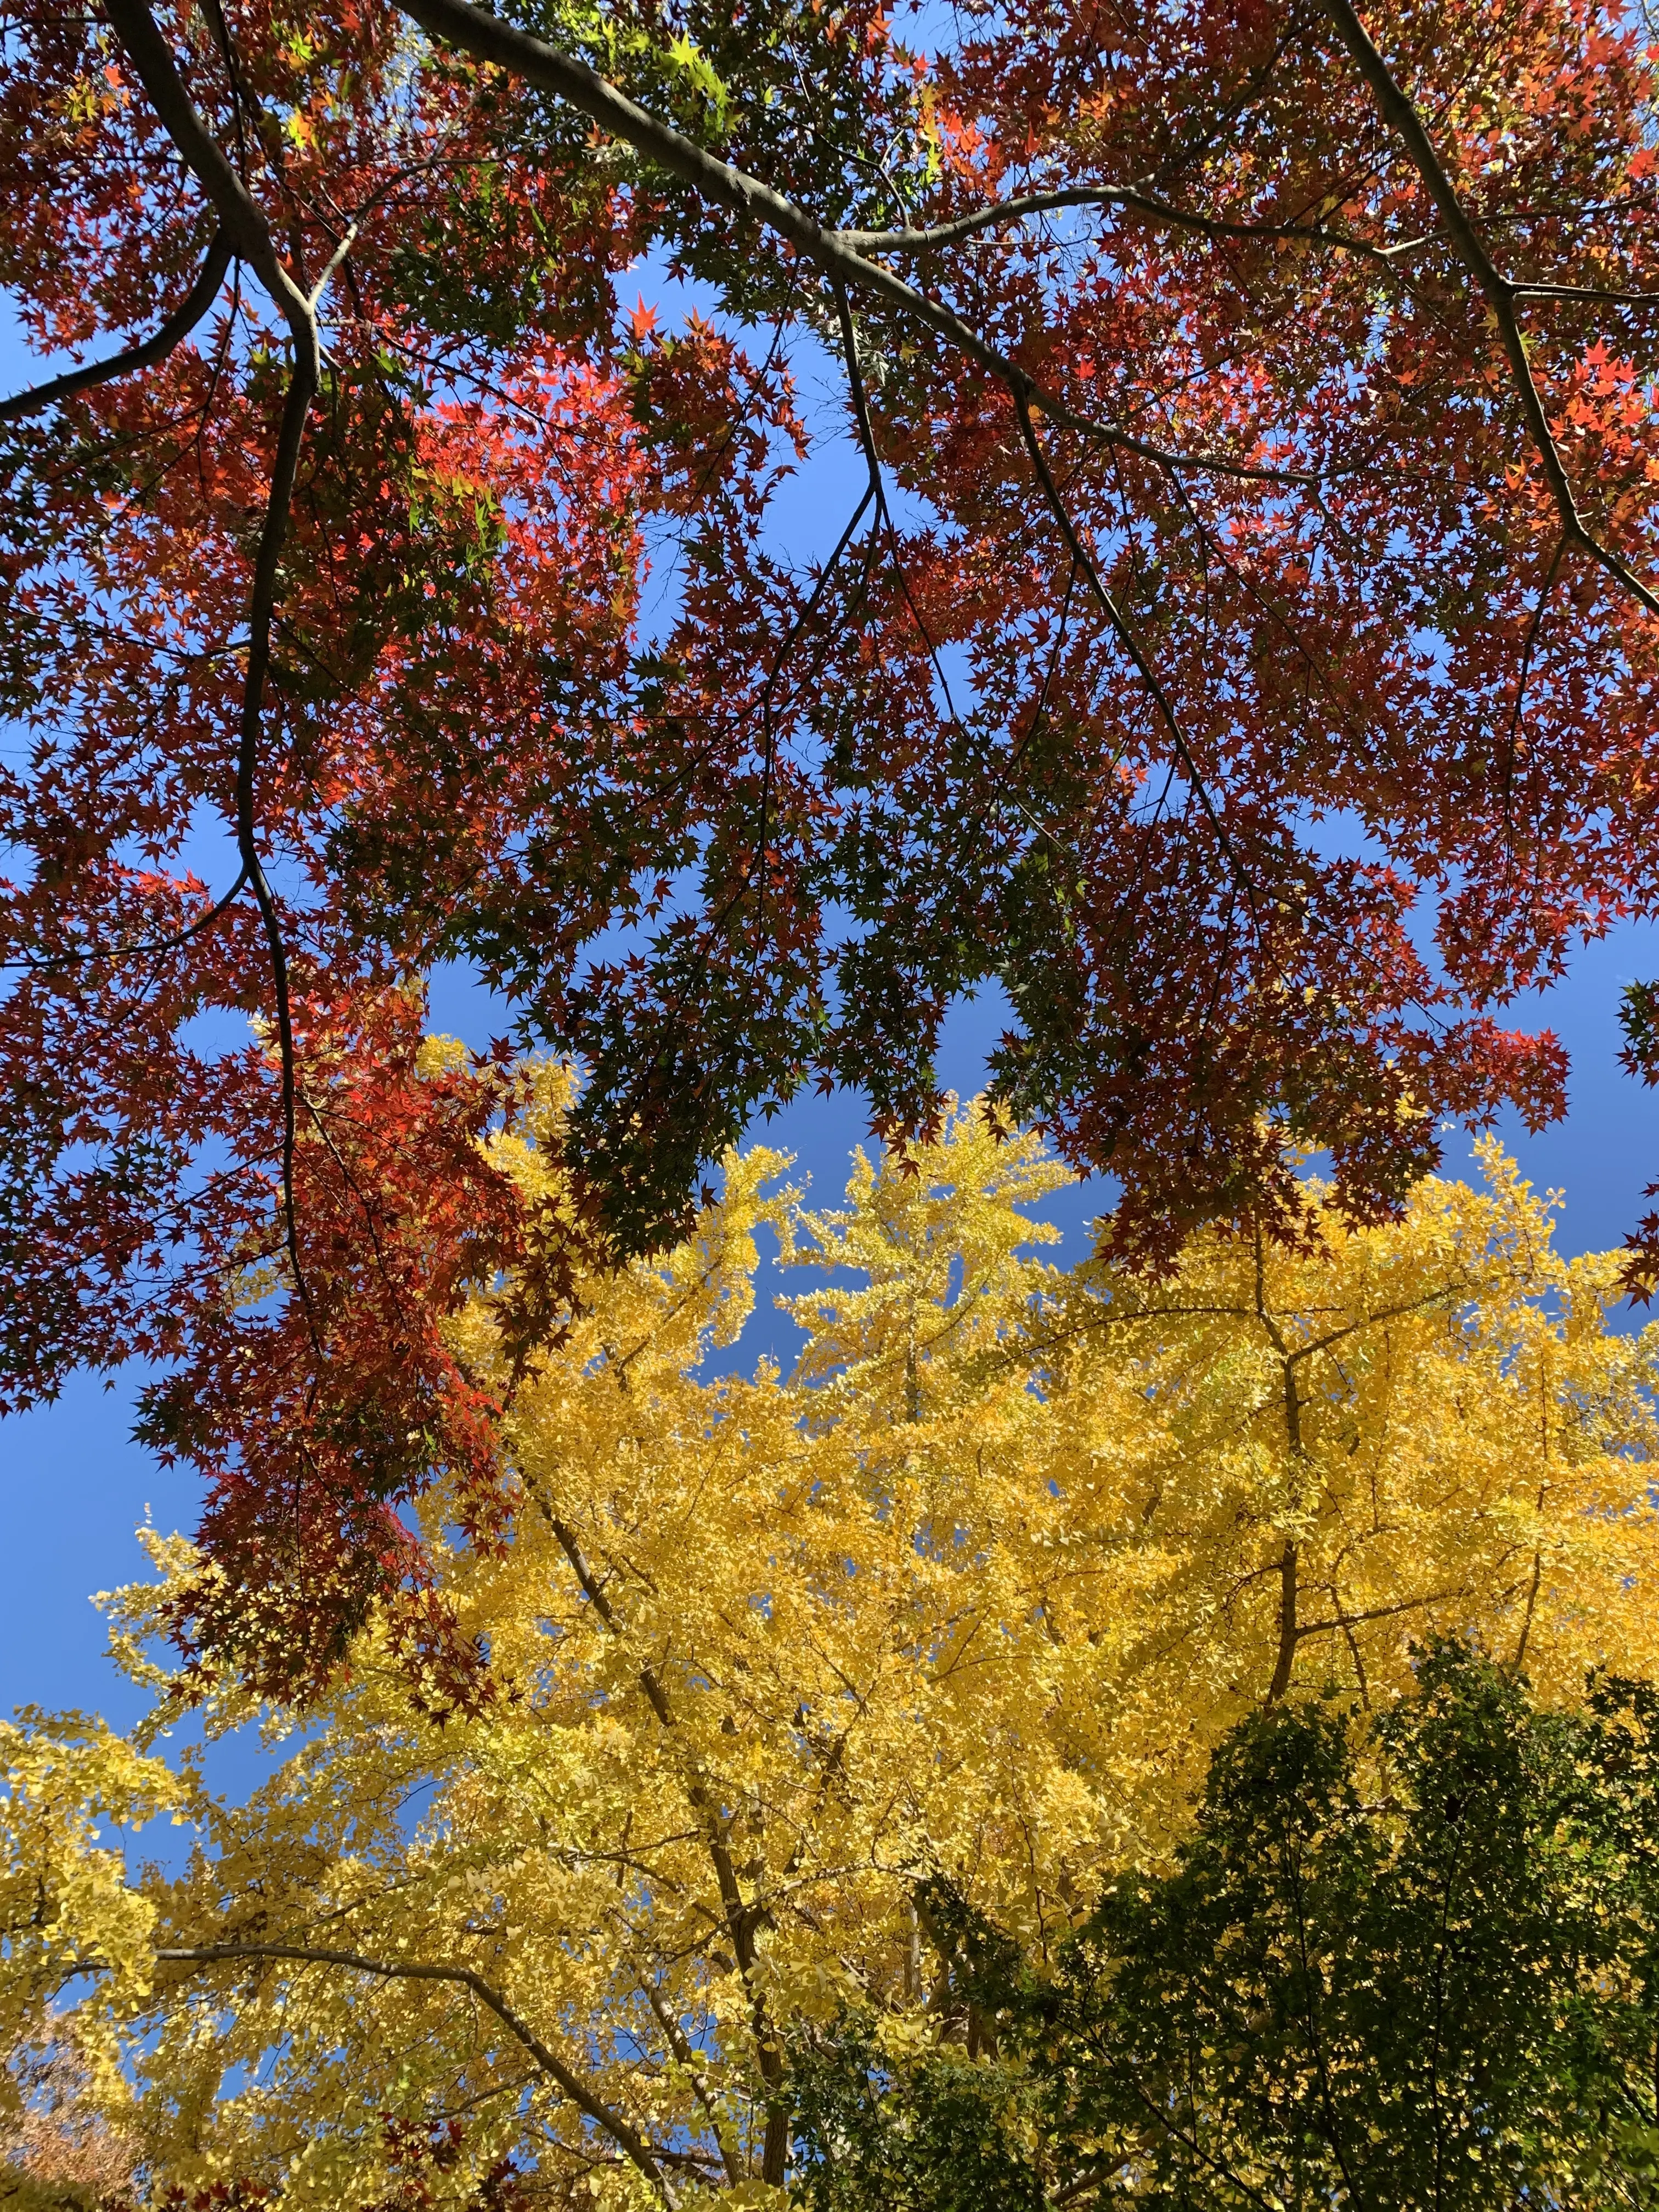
(168,944)
(1399,113)
(679,2043)
(1125,196)
(302,388)
(177,327)
(627,2138)
(1375,1320)
(725,185)
(1379,1613)
(1595,294)
(245,225)
(1085,562)
(742,1918)
(240,218)
(1289,1634)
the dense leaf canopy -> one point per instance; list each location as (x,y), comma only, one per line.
(974,1595)
(1410,1964)
(1239,647)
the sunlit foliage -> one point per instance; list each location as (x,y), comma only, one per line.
(973,1594)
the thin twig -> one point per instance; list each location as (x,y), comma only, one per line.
(1124,196)
(1085,562)
(169,943)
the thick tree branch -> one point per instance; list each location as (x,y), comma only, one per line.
(626,2138)
(240,218)
(1400,115)
(1289,1634)
(493,40)
(177,327)
(725,185)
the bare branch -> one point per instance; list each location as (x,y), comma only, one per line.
(626,2138)
(1124,196)
(172,332)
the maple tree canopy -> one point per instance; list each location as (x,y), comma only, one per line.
(1250,553)
(977,1592)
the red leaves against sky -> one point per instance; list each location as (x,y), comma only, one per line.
(548,695)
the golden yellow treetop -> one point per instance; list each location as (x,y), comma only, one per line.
(975,1588)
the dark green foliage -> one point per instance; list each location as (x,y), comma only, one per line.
(954,2135)
(1406,1961)
(1638,1017)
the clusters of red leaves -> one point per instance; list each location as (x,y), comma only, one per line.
(424,2155)
(1306,670)
(465,552)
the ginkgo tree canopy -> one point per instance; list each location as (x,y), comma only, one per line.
(971,1595)
(1236,642)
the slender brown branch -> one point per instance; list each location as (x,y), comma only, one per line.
(1400,114)
(168,944)
(1190,2142)
(245,225)
(171,333)
(1124,196)
(742,1918)
(1375,1320)
(680,2043)
(1591,292)
(1085,562)
(626,2138)
(1379,1613)
(301,388)
(883,512)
